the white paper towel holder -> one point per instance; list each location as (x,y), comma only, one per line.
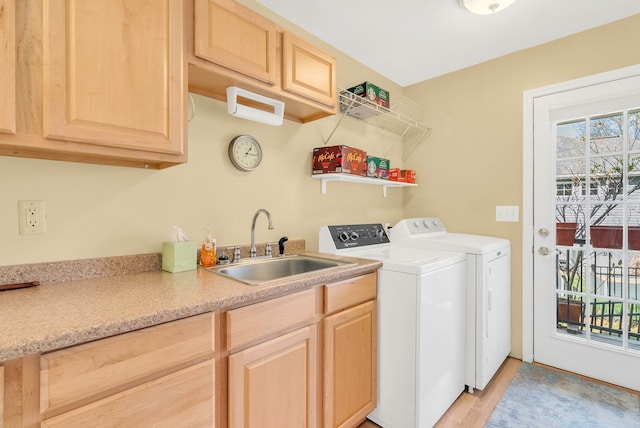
(251,113)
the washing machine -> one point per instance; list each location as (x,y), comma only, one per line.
(488,291)
(421,325)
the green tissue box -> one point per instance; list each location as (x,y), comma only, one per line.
(179,256)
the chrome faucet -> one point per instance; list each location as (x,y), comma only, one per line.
(252,252)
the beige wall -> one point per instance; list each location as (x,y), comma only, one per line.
(96,211)
(473,160)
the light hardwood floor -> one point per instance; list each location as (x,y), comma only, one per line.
(474,410)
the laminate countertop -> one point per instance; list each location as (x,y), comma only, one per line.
(57,315)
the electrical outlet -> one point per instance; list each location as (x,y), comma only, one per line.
(32,218)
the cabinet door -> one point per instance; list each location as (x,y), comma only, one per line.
(8,61)
(350,365)
(181,399)
(114,73)
(308,71)
(233,36)
(274,384)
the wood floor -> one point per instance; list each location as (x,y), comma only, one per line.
(474,410)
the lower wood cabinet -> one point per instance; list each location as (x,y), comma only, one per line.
(349,351)
(283,373)
(274,384)
(350,366)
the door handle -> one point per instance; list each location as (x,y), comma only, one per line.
(543,251)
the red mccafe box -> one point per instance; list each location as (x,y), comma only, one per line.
(402,175)
(343,159)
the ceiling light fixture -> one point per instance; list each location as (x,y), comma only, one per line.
(485,7)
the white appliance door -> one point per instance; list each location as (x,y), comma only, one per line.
(441,338)
(494,334)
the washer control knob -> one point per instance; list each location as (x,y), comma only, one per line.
(354,235)
(343,236)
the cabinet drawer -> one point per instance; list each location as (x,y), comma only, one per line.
(180,399)
(84,373)
(250,323)
(349,293)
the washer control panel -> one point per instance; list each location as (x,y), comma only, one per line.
(358,235)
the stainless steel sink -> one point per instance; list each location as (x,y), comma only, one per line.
(256,272)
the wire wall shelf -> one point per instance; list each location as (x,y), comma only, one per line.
(399,120)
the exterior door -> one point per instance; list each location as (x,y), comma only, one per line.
(586,221)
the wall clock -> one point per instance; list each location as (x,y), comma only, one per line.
(245,152)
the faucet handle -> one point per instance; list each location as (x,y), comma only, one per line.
(236,254)
(267,249)
(281,244)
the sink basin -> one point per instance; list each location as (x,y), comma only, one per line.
(260,271)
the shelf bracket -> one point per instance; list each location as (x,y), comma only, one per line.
(344,114)
(424,135)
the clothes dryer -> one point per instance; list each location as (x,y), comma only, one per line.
(421,329)
(488,307)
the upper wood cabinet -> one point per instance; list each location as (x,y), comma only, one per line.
(8,61)
(307,70)
(232,45)
(113,73)
(98,81)
(226,33)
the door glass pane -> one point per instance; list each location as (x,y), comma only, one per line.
(607,176)
(634,326)
(570,313)
(606,134)
(571,141)
(571,271)
(605,321)
(634,130)
(606,273)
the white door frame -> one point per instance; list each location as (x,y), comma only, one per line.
(527,188)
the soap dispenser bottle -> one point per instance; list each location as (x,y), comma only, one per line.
(208,251)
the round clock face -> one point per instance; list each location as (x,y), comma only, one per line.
(245,153)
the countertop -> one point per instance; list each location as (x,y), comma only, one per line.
(56,315)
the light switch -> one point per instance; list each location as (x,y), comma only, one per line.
(510,213)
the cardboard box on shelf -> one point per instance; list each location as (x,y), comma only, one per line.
(378,167)
(402,175)
(372,93)
(339,159)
